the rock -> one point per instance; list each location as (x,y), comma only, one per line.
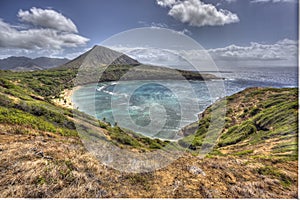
(196,170)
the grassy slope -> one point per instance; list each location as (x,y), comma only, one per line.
(26,101)
(255,118)
(42,156)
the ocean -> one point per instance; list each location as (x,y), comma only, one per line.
(159,109)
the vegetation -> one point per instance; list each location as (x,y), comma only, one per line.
(145,72)
(46,83)
(26,101)
(270,115)
(127,137)
(23,105)
(271,171)
(41,154)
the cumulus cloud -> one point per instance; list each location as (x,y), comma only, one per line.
(281,53)
(196,13)
(37,38)
(273,1)
(43,31)
(282,50)
(47,18)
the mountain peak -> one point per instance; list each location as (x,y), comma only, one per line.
(100,55)
(105,55)
(99,47)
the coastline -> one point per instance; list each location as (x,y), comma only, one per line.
(65,99)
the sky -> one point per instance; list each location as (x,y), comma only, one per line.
(234,32)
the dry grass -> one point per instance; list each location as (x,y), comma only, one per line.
(38,166)
(47,166)
(35,163)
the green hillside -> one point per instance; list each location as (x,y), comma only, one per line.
(26,101)
(41,154)
(254,117)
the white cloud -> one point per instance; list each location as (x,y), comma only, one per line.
(7,52)
(156,25)
(160,25)
(185,31)
(37,38)
(47,18)
(283,52)
(166,3)
(38,35)
(153,24)
(196,13)
(227,1)
(273,1)
(155,56)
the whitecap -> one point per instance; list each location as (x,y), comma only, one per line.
(230,79)
(101,88)
(135,108)
(114,83)
(108,92)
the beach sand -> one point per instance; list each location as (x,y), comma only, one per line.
(65,99)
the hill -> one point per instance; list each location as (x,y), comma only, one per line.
(48,63)
(28,64)
(41,154)
(258,122)
(100,56)
(104,64)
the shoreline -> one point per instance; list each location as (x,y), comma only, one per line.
(65,99)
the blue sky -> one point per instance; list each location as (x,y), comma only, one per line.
(232,30)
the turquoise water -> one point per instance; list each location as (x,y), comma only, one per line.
(156,109)
(160,108)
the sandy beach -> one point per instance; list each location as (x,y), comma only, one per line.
(65,99)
